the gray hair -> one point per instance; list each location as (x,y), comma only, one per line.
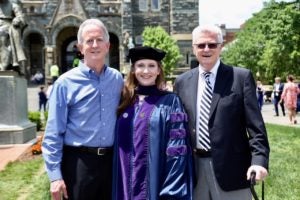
(96,22)
(208,29)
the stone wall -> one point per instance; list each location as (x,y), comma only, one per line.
(123,18)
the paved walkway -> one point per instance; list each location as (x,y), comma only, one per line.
(268,113)
(9,153)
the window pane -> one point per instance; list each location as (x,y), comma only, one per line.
(155,4)
(143,5)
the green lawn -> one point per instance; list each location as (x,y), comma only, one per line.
(284,173)
(27,180)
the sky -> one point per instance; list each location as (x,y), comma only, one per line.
(232,13)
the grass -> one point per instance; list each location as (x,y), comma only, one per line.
(39,189)
(283,181)
(25,180)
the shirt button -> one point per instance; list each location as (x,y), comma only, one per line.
(103,138)
(103,124)
(102,109)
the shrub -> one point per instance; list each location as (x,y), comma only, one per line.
(46,116)
(35,117)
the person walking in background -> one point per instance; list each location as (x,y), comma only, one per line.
(259,94)
(49,89)
(54,72)
(298,99)
(42,99)
(77,146)
(153,156)
(227,129)
(277,92)
(289,96)
(76,59)
(48,92)
(38,78)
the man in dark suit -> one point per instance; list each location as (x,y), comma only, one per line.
(277,91)
(237,142)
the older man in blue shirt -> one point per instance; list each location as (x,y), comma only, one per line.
(79,136)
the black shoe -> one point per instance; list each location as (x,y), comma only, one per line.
(283,114)
(276,115)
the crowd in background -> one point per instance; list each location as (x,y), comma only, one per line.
(285,96)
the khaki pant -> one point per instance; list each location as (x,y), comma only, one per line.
(207,187)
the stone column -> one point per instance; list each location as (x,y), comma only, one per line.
(50,56)
(15,128)
(127,33)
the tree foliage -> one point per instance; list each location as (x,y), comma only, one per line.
(269,42)
(157,37)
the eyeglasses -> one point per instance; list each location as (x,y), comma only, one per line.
(209,45)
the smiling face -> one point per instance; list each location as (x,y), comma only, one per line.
(93,47)
(146,71)
(208,55)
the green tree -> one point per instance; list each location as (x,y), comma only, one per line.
(157,37)
(269,42)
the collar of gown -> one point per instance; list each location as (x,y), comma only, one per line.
(148,90)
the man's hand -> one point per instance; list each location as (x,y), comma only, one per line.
(57,188)
(260,171)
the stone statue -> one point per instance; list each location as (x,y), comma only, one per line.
(12,21)
(128,44)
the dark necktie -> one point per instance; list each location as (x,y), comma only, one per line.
(204,114)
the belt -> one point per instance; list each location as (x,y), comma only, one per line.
(100,151)
(202,153)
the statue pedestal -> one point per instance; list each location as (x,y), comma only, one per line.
(15,128)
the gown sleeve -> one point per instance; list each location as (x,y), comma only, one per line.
(177,180)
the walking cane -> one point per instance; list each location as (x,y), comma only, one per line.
(253,183)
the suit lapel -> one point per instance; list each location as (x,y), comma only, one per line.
(223,76)
(193,88)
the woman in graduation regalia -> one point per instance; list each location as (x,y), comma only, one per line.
(152,153)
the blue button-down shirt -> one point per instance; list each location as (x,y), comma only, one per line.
(82,112)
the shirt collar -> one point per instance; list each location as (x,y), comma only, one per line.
(88,71)
(213,70)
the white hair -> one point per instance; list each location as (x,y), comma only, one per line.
(208,29)
(96,22)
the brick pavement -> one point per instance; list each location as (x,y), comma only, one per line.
(11,152)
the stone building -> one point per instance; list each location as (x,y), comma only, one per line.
(51,33)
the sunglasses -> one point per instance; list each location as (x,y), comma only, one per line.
(209,45)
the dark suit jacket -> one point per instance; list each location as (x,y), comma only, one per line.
(281,86)
(237,131)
